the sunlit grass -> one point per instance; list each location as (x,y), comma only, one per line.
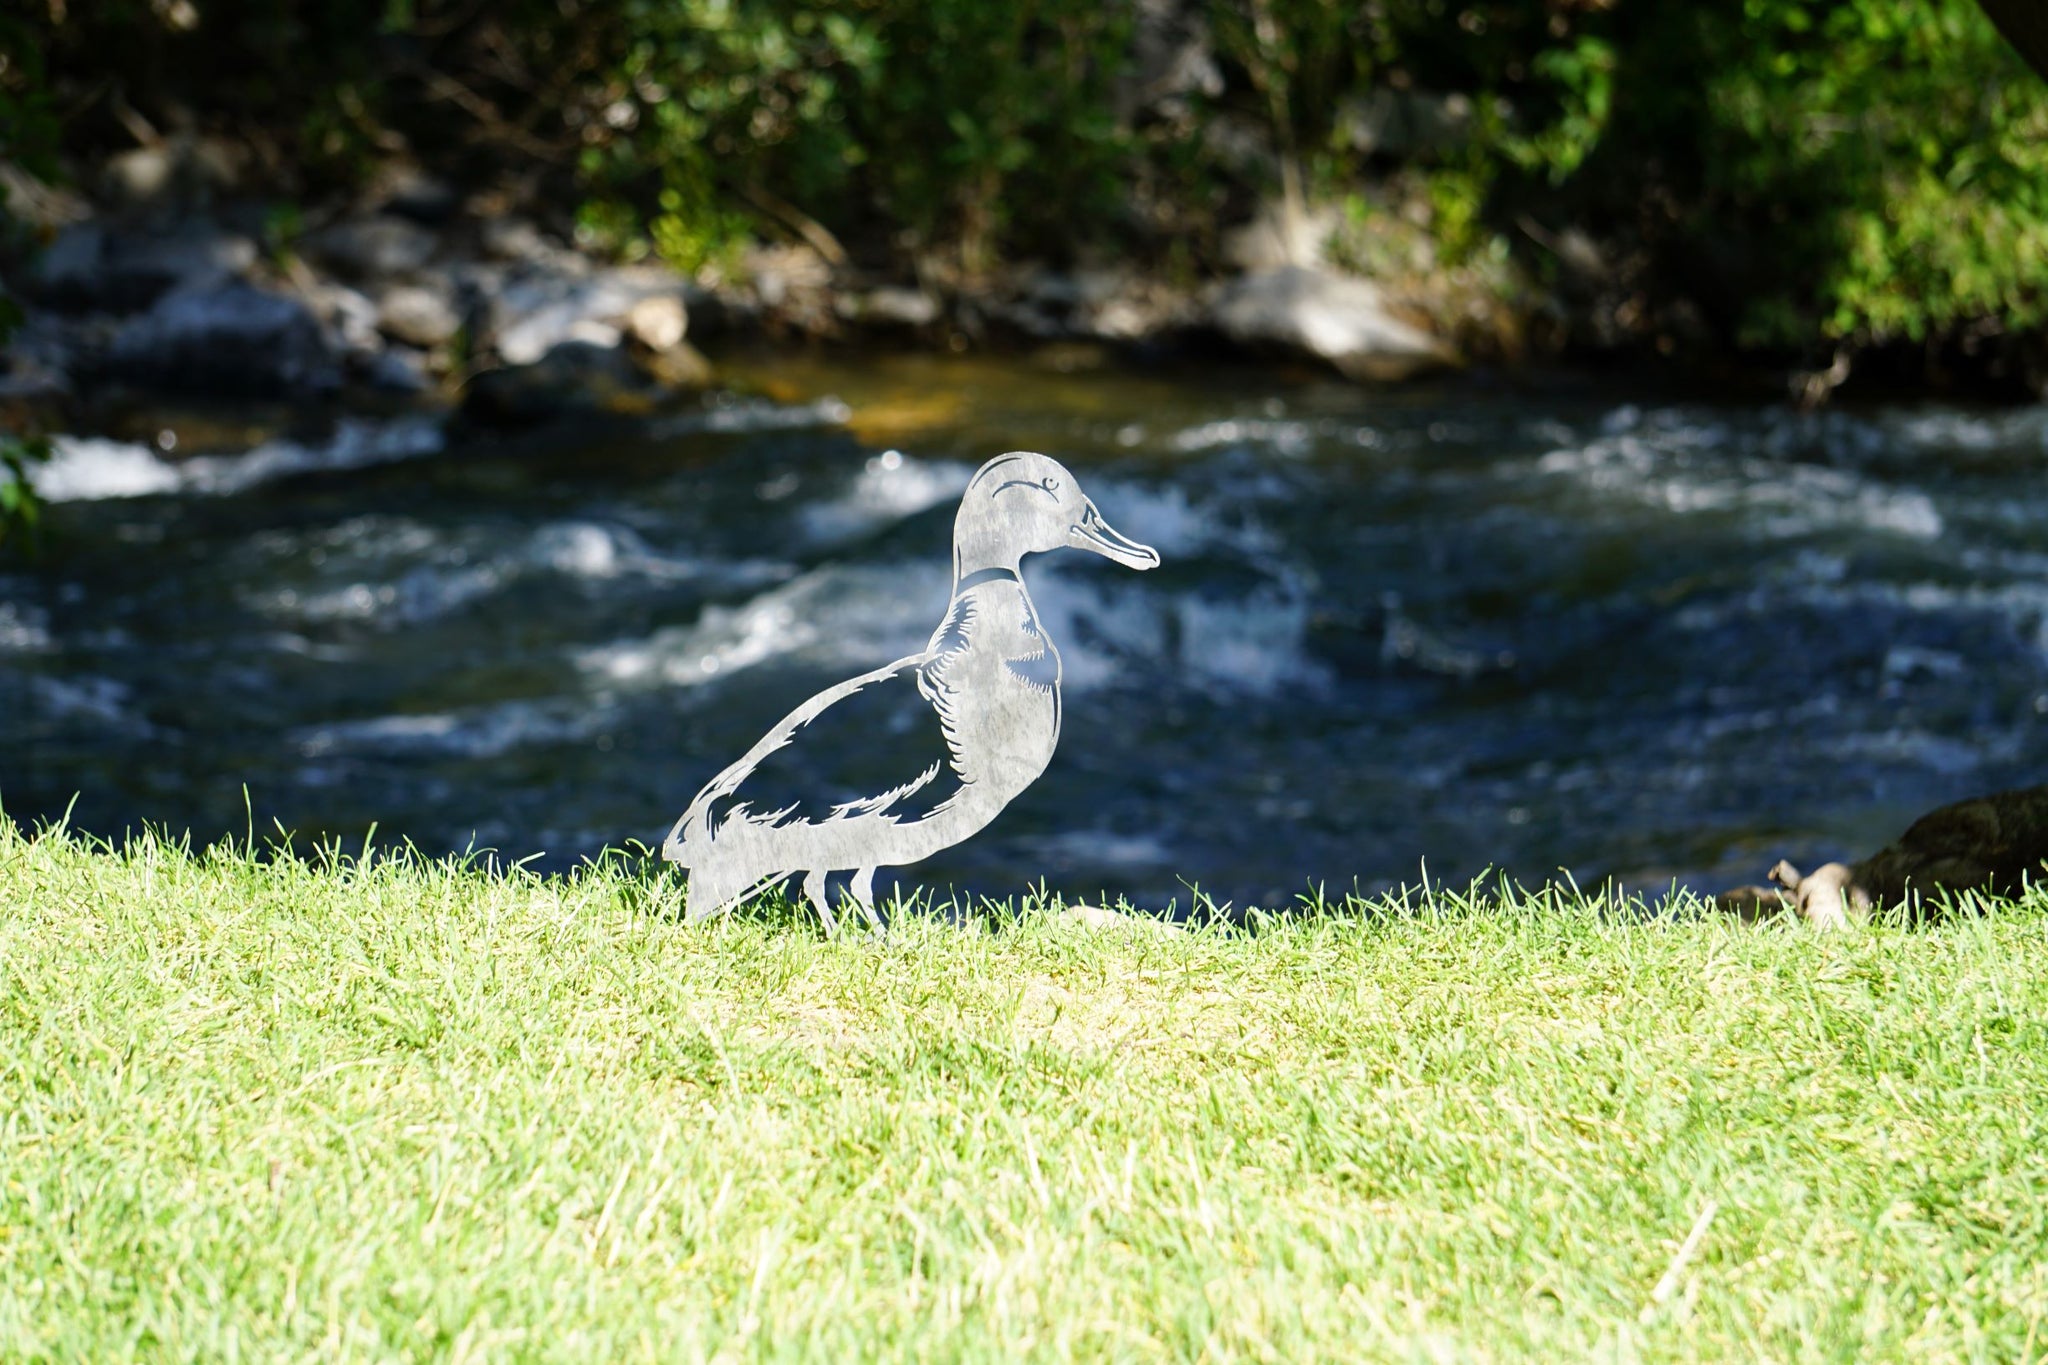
(273,1109)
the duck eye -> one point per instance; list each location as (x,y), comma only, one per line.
(1051,485)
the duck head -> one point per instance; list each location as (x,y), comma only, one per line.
(1025,503)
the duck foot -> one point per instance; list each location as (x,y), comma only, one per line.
(863,891)
(814,891)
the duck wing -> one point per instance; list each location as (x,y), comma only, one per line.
(878,744)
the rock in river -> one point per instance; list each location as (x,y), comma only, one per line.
(574,377)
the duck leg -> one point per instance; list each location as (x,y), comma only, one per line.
(863,889)
(814,889)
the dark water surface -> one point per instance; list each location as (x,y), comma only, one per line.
(1526,630)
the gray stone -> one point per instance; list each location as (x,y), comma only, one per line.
(350,317)
(1095,303)
(1115,305)
(894,306)
(793,284)
(235,339)
(374,248)
(518,241)
(91,267)
(1341,320)
(540,311)
(138,175)
(418,315)
(398,370)
(659,323)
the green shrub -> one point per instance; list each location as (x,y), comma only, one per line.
(1804,172)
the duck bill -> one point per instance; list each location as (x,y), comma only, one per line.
(1093,533)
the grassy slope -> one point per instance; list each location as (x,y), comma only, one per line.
(275,1110)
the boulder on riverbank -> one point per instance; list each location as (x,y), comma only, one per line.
(419,293)
(373,248)
(232,339)
(1336,318)
(387,301)
(92,267)
(535,310)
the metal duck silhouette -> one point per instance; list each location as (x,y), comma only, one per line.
(985,693)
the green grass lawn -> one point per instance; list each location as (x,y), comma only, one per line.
(274,1110)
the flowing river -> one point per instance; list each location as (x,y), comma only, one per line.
(1477,627)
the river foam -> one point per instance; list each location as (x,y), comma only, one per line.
(87,468)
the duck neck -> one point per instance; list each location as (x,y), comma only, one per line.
(993,574)
(981,558)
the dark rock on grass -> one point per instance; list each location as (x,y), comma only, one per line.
(1992,844)
(233,340)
